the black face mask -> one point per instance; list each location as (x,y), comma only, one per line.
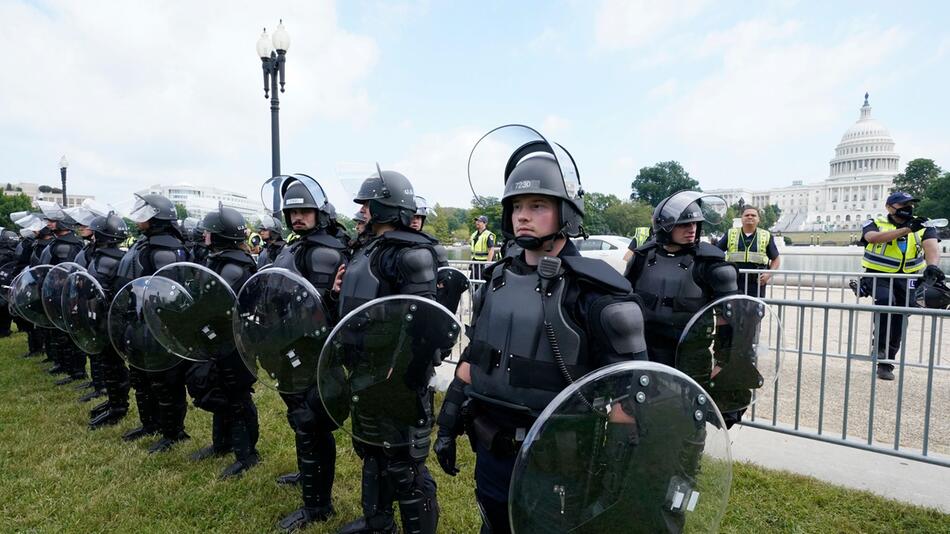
(906,212)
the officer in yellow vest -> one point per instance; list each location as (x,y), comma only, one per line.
(483,246)
(641,234)
(254,241)
(900,244)
(751,247)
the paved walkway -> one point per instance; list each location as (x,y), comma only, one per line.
(908,481)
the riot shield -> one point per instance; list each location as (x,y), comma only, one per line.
(52,291)
(280,325)
(86,312)
(632,447)
(188,308)
(130,334)
(732,348)
(377,364)
(451,284)
(27,295)
(6,280)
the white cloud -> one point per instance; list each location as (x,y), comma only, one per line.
(140,93)
(437,165)
(634,23)
(663,90)
(771,87)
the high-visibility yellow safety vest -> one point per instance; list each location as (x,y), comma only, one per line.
(292,237)
(480,245)
(735,255)
(641,234)
(129,241)
(888,258)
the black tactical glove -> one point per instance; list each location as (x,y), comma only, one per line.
(932,272)
(445,452)
(917,223)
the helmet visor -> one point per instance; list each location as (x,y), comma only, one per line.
(679,208)
(142,211)
(313,187)
(51,211)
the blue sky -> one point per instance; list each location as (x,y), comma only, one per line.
(741,93)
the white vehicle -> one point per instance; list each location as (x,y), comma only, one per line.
(609,248)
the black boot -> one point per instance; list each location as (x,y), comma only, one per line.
(108,418)
(102,407)
(377,500)
(303,517)
(58,369)
(139,433)
(167,442)
(69,379)
(220,439)
(84,385)
(368,526)
(290,479)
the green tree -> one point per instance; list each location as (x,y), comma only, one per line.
(935,202)
(11,203)
(655,183)
(623,218)
(438,225)
(181,211)
(9,186)
(770,215)
(917,177)
(348,224)
(595,207)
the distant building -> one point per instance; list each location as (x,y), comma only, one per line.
(199,200)
(33,191)
(860,177)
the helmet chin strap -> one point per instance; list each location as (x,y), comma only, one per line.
(534,243)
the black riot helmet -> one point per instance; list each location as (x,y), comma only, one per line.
(391,198)
(191,229)
(932,292)
(226,226)
(529,164)
(686,207)
(109,229)
(300,191)
(272,225)
(152,208)
(9,238)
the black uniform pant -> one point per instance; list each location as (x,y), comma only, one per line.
(161,399)
(66,354)
(242,413)
(316,449)
(115,376)
(889,327)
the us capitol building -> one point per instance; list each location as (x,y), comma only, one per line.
(860,177)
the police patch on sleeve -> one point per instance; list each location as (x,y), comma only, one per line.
(867,223)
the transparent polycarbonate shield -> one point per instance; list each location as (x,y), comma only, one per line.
(28,295)
(188,308)
(632,447)
(270,194)
(89,210)
(280,326)
(711,208)
(86,312)
(451,284)
(273,189)
(51,210)
(8,292)
(732,348)
(351,176)
(52,291)
(376,366)
(131,336)
(7,271)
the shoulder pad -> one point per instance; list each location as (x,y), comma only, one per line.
(489,270)
(709,251)
(417,265)
(723,277)
(442,255)
(647,246)
(598,272)
(415,238)
(165,241)
(324,260)
(323,239)
(111,252)
(232,273)
(622,324)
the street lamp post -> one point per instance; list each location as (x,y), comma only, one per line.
(62,174)
(273,52)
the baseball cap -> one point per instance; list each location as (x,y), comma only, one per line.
(482,218)
(900,197)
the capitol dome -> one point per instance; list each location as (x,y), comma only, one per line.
(866,150)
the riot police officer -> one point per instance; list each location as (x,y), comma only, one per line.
(24,251)
(451,283)
(64,247)
(272,232)
(8,256)
(194,240)
(676,274)
(543,319)
(160,396)
(104,257)
(317,255)
(396,261)
(235,424)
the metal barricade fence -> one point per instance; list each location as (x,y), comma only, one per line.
(827,388)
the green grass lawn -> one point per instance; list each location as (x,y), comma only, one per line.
(55,476)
